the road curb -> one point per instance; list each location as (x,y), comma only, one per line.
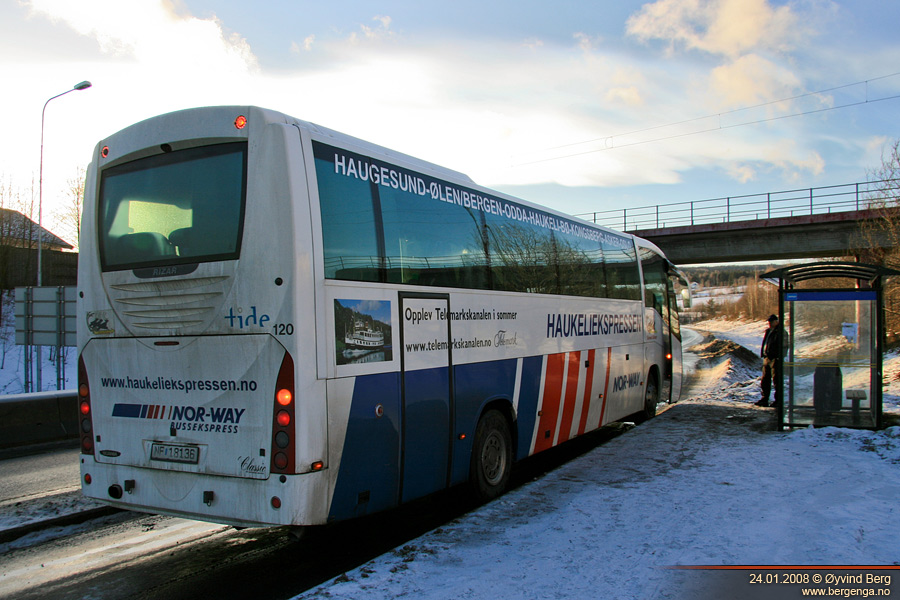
(8,535)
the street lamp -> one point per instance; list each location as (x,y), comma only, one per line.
(78,87)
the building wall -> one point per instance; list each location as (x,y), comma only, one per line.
(18,267)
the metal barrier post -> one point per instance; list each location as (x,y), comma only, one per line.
(28,384)
(60,335)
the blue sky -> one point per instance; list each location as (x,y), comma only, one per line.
(580,106)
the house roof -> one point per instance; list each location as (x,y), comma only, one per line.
(16,227)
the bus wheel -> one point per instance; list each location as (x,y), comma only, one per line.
(651,396)
(491,456)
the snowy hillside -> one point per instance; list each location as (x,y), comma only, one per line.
(739,371)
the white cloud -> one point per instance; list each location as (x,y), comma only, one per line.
(788,160)
(741,172)
(152,33)
(627,95)
(307,45)
(751,79)
(381,31)
(152,60)
(725,27)
(585,42)
(753,42)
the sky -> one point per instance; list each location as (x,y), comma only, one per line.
(581,106)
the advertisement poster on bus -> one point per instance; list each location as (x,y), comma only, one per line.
(362,331)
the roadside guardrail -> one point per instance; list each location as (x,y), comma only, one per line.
(38,417)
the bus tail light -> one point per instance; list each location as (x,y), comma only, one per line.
(85,416)
(283,428)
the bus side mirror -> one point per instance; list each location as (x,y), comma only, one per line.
(686,298)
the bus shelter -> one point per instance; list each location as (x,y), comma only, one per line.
(832,344)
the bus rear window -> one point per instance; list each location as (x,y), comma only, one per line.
(181,207)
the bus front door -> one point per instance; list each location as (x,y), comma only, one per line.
(426,366)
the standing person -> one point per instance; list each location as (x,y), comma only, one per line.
(771,355)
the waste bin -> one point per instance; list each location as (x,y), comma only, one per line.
(828,386)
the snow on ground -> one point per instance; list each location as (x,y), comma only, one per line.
(748,334)
(708,482)
(607,525)
(25,511)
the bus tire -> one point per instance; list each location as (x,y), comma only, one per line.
(492,456)
(651,396)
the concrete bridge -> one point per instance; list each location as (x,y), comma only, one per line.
(806,223)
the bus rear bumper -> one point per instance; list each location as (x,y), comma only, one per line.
(279,500)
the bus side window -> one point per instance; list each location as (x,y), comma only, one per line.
(655,281)
(350,226)
(436,244)
(622,276)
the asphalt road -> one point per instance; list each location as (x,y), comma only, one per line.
(49,471)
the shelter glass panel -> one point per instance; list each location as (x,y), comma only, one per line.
(830,369)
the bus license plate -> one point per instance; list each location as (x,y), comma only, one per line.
(175,453)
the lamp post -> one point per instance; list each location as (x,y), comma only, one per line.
(77,87)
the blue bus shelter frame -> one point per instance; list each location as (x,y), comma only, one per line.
(869,287)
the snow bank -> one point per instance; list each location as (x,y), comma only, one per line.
(749,335)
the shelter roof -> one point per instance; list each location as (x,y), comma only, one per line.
(848,270)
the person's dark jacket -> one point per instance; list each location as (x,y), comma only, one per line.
(772,342)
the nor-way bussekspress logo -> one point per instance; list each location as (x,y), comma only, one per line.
(214,419)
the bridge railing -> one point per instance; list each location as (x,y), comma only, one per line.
(750,207)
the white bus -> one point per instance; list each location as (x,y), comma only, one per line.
(285,325)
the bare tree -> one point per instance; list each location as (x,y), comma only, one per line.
(68,216)
(6,193)
(878,240)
